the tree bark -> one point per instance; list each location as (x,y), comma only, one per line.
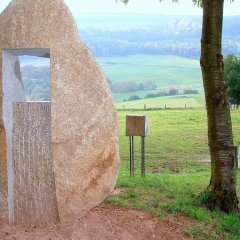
(222,187)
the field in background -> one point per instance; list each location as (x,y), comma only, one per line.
(177,137)
(164,70)
(178,169)
(178,101)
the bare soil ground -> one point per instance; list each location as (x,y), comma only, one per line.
(102,223)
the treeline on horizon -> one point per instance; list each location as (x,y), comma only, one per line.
(127,34)
(171,91)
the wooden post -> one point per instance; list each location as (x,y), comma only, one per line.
(131,141)
(143,156)
(237,156)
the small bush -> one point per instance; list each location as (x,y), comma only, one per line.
(190,91)
(133,98)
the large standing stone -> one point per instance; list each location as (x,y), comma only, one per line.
(84,133)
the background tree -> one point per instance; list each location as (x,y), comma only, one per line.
(232,75)
(221,191)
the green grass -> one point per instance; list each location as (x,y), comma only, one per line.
(163,69)
(174,179)
(178,101)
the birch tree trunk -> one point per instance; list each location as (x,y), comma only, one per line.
(222,188)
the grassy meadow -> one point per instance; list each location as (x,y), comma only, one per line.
(177,101)
(164,70)
(177,170)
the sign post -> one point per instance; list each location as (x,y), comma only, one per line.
(137,125)
(237,156)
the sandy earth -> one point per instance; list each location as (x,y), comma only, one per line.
(102,223)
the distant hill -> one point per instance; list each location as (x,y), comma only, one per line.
(164,70)
(127,34)
(140,54)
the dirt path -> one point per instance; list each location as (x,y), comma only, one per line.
(102,223)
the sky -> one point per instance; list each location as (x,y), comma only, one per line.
(184,7)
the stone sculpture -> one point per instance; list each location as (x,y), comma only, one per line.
(79,160)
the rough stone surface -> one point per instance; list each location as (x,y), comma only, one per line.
(34,180)
(83,117)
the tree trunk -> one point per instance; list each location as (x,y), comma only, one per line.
(222,188)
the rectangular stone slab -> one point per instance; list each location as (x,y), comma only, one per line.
(34,187)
